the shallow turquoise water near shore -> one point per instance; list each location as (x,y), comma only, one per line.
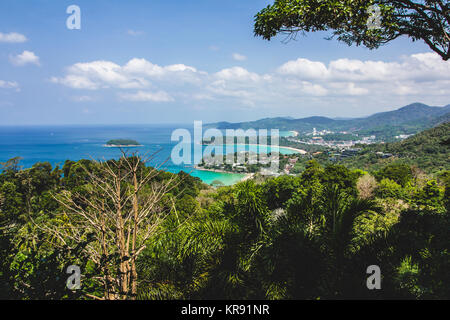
(56,144)
(209,177)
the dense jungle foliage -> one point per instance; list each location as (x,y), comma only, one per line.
(311,236)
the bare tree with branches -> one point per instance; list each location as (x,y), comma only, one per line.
(115,215)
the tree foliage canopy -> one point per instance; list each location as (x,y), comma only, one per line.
(427,20)
(140,233)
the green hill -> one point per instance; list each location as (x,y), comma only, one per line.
(410,119)
(428,150)
(410,113)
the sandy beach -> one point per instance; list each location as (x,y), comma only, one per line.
(280,147)
(212,170)
(248,176)
(263,145)
(295,149)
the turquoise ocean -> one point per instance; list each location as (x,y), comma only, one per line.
(56,144)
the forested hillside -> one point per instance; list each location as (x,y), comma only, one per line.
(410,119)
(427,150)
(140,233)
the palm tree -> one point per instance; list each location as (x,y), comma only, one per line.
(340,212)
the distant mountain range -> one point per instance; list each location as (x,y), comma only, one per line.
(406,120)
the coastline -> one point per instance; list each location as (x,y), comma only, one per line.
(261,145)
(295,149)
(246,177)
(213,170)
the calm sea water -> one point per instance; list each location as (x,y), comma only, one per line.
(55,144)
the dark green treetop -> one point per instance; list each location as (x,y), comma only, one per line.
(427,20)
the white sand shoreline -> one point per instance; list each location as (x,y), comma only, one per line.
(246,177)
(261,145)
(214,170)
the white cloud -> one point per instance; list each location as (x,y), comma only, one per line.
(417,67)
(142,96)
(26,57)
(9,85)
(172,73)
(237,74)
(12,37)
(348,88)
(202,96)
(304,69)
(239,57)
(135,33)
(180,67)
(99,74)
(313,89)
(76,82)
(144,67)
(135,74)
(418,77)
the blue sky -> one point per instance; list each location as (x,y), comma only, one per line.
(178,61)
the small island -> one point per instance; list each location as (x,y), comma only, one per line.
(121,143)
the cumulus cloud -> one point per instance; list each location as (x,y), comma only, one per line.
(99,74)
(9,85)
(417,76)
(237,74)
(12,37)
(305,69)
(76,82)
(26,57)
(313,89)
(417,67)
(141,96)
(239,57)
(136,74)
